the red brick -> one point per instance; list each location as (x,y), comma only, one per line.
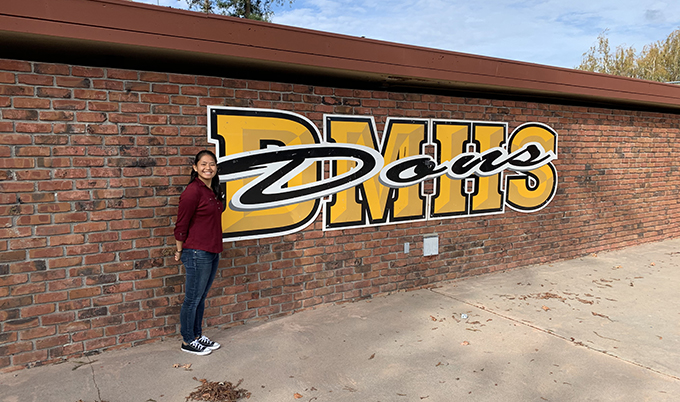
(89,227)
(122,97)
(16,90)
(121,74)
(103,106)
(56,116)
(14,233)
(33,127)
(56,207)
(20,114)
(17,163)
(91,117)
(34,220)
(45,253)
(15,65)
(38,310)
(49,298)
(153,77)
(30,266)
(6,127)
(39,332)
(165,88)
(13,279)
(60,104)
(89,334)
(66,239)
(90,94)
(53,69)
(35,79)
(86,292)
(108,84)
(7,256)
(34,175)
(120,329)
(93,72)
(73,349)
(33,151)
(61,93)
(52,342)
(70,217)
(29,357)
(100,343)
(99,258)
(34,242)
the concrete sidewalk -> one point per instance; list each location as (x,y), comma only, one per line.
(600,328)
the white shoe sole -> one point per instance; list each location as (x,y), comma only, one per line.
(205,352)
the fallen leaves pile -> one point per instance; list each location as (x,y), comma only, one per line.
(213,391)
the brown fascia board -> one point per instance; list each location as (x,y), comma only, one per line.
(127,30)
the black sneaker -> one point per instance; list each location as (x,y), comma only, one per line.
(207,343)
(196,348)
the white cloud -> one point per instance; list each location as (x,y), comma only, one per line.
(552,32)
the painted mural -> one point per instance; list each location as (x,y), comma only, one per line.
(279,173)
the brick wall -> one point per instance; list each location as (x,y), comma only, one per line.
(92,162)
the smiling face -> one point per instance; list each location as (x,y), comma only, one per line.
(206,169)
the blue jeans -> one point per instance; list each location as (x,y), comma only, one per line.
(201,267)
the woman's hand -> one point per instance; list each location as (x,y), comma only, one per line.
(178,249)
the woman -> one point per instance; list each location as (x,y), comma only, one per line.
(198,234)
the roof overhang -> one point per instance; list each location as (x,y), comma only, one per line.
(125,34)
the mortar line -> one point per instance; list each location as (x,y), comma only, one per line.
(556,335)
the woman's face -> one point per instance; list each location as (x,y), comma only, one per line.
(206,169)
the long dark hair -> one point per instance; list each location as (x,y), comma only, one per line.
(215,183)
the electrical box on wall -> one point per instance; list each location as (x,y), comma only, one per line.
(430,245)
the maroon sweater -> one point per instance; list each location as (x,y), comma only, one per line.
(199,218)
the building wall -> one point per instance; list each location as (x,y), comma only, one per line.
(92,162)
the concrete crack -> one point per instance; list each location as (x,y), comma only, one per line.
(94,379)
(570,340)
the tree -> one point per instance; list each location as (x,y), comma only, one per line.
(260,10)
(658,61)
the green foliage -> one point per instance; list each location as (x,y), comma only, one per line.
(260,10)
(659,61)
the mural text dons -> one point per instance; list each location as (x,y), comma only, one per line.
(271,164)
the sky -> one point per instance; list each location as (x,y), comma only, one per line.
(550,32)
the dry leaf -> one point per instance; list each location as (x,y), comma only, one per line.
(546,308)
(601,315)
(297,396)
(223,391)
(372,356)
(184,366)
(465,343)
